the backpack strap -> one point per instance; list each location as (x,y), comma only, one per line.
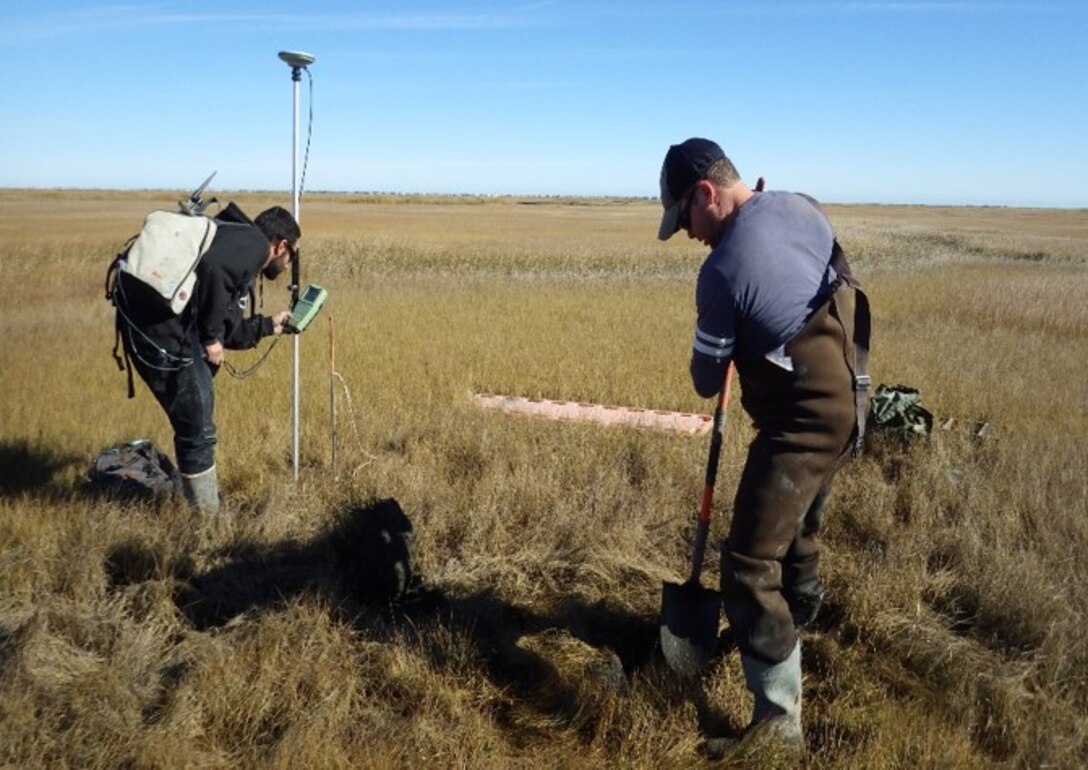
(862,330)
(124,364)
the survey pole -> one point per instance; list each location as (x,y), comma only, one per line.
(297,61)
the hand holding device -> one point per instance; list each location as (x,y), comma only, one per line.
(306,309)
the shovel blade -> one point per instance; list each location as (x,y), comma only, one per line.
(689,625)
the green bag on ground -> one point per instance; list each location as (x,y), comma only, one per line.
(897,409)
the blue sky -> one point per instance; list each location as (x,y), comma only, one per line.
(978,103)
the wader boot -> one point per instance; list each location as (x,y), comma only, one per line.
(201,491)
(775,727)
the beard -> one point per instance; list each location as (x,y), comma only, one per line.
(272,270)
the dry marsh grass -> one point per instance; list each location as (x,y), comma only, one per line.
(953,634)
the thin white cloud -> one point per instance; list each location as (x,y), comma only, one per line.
(889,6)
(935,7)
(847,7)
(91,21)
(81,22)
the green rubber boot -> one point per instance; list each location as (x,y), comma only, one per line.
(775,727)
(201,490)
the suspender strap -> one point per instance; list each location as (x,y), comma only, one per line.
(862,329)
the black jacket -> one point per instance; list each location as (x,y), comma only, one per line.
(224,283)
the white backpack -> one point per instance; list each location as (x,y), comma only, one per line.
(166,252)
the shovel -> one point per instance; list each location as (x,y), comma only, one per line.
(689,612)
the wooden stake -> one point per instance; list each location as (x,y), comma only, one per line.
(332,397)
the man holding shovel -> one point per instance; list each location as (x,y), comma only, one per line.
(776,299)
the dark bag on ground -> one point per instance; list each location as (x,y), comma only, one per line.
(135,470)
(373,545)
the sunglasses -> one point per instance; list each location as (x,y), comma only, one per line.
(684,220)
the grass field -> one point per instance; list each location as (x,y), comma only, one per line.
(954,629)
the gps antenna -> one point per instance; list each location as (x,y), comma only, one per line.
(195,206)
(297,61)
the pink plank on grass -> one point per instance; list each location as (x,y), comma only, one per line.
(573,411)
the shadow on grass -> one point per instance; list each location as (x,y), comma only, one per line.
(359,566)
(619,644)
(29,469)
(361,569)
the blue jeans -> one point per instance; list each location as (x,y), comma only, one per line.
(186,394)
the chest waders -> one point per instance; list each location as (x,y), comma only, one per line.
(809,421)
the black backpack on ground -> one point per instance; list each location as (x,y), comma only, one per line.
(135,470)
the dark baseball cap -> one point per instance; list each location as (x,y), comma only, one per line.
(685,164)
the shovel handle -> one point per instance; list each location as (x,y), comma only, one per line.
(703,524)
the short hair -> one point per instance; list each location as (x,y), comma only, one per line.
(277,224)
(723,173)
